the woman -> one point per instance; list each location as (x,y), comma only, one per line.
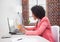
(43,27)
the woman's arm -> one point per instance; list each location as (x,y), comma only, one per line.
(39,31)
(30,28)
(23,29)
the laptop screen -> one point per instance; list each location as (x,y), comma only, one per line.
(12,27)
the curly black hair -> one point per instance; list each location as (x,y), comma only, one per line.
(38,11)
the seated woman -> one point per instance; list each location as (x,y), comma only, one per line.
(43,27)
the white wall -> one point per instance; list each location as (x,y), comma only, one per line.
(8,8)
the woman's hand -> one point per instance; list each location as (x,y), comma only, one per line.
(22,29)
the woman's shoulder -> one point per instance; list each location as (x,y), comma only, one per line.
(44,19)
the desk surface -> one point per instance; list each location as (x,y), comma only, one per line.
(24,38)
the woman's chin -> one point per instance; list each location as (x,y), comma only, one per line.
(34,18)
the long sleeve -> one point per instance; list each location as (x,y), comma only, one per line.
(31,28)
(40,29)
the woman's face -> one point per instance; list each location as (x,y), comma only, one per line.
(34,16)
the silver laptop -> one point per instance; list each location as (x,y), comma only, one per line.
(12,29)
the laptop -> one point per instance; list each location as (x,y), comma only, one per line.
(12,29)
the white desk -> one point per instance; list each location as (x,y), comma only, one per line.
(24,38)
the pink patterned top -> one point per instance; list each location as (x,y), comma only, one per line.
(43,29)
